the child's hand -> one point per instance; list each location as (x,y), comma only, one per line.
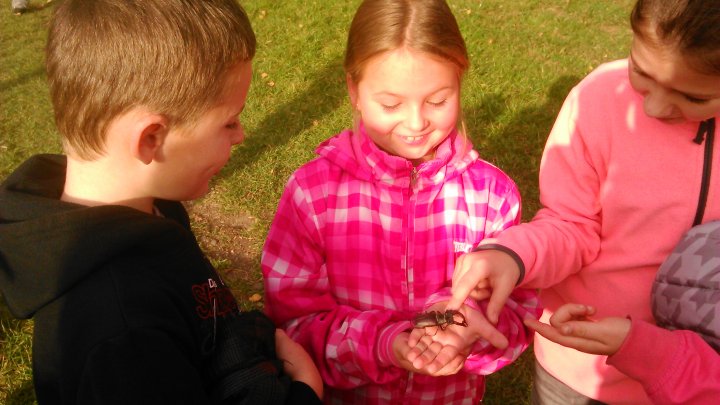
(297,362)
(478,328)
(483,274)
(454,339)
(571,327)
(447,359)
(437,357)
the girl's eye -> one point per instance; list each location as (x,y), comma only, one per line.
(639,72)
(390,107)
(437,103)
(695,100)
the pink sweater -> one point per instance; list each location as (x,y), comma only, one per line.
(619,189)
(362,241)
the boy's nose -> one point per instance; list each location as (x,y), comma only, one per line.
(238,136)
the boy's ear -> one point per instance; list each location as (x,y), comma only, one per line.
(148,137)
(352,90)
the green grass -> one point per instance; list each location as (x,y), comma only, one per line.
(525,55)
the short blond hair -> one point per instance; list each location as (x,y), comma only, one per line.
(105,57)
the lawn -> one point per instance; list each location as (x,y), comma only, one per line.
(525,55)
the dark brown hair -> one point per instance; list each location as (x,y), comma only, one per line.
(691,26)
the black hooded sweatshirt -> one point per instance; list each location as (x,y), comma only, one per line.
(127,309)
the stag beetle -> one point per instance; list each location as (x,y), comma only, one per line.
(439,319)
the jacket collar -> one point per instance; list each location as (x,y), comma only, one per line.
(356,153)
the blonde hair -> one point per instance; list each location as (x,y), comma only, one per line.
(105,57)
(427,26)
(691,26)
(421,25)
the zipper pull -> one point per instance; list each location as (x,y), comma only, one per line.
(703,129)
(413,177)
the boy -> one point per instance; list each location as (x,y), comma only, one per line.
(95,246)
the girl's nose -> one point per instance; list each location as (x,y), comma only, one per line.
(415,119)
(658,104)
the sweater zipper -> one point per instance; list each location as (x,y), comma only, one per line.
(706,132)
(212,287)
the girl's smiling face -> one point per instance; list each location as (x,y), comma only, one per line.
(673,91)
(409,102)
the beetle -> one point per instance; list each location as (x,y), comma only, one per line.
(439,319)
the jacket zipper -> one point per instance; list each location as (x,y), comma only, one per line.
(409,276)
(706,132)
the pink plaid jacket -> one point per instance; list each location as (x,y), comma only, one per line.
(362,240)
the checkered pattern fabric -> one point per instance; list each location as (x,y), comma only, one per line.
(360,242)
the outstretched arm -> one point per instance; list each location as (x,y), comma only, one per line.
(679,368)
(673,366)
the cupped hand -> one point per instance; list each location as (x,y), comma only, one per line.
(429,357)
(435,348)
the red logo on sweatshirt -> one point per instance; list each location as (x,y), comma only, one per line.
(213,301)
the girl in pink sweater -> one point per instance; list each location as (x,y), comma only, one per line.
(625,173)
(367,234)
